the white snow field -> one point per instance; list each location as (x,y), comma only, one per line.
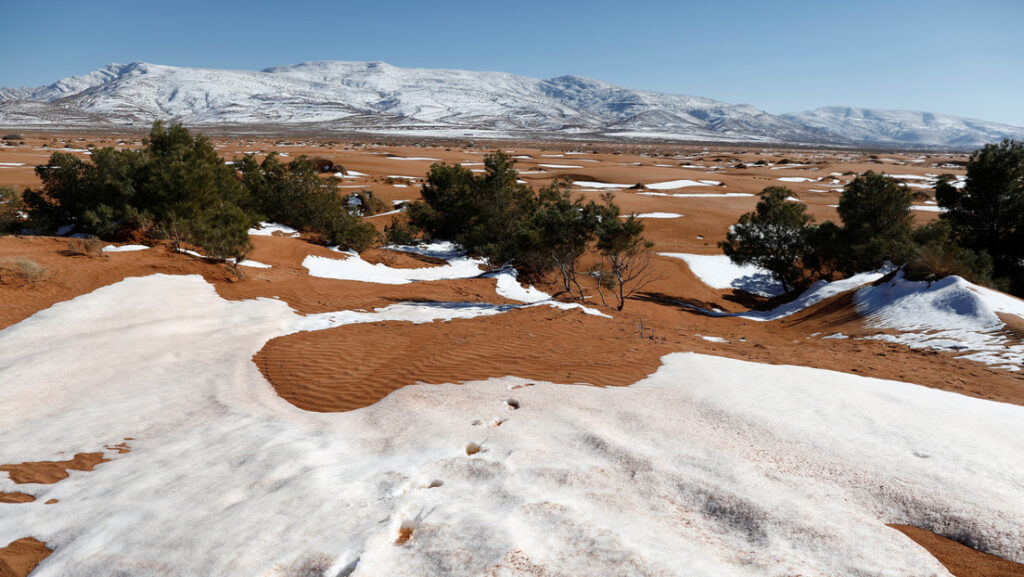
(948,314)
(676,184)
(657,215)
(353,267)
(698,194)
(710,466)
(269,228)
(124,248)
(718,272)
(668,185)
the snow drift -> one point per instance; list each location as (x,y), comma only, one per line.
(710,466)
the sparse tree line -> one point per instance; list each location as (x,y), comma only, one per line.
(539,232)
(980,236)
(176,187)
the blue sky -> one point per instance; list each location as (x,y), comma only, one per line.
(954,57)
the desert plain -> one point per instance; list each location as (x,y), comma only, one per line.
(168,414)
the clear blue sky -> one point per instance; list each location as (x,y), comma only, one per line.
(955,57)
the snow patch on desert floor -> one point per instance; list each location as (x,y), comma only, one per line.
(591,184)
(353,267)
(657,215)
(457,266)
(269,228)
(124,248)
(668,185)
(949,314)
(675,184)
(710,466)
(719,272)
(698,194)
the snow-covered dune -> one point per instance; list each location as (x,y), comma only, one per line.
(948,314)
(710,466)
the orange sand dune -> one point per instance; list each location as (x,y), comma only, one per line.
(961,560)
(324,370)
(49,472)
(19,558)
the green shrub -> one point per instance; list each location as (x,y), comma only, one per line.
(365,203)
(987,214)
(508,222)
(773,237)
(877,222)
(10,205)
(937,255)
(176,185)
(400,232)
(625,253)
(296,195)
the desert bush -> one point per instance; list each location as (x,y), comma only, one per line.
(175,185)
(565,228)
(24,269)
(10,206)
(773,237)
(987,214)
(296,195)
(877,222)
(489,214)
(508,222)
(625,253)
(400,232)
(876,228)
(12,137)
(91,246)
(365,203)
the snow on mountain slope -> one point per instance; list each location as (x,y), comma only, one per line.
(378,96)
(353,95)
(904,126)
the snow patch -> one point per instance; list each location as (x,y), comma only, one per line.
(719,272)
(124,248)
(708,467)
(948,314)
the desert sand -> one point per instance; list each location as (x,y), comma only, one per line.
(352,366)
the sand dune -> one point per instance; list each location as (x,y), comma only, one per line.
(353,366)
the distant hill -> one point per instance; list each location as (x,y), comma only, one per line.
(377,97)
(904,127)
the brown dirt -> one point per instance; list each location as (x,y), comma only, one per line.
(959,559)
(539,343)
(20,558)
(16,497)
(49,472)
(70,276)
(570,347)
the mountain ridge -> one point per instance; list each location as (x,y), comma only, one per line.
(379,97)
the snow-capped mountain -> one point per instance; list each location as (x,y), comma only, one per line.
(374,96)
(904,126)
